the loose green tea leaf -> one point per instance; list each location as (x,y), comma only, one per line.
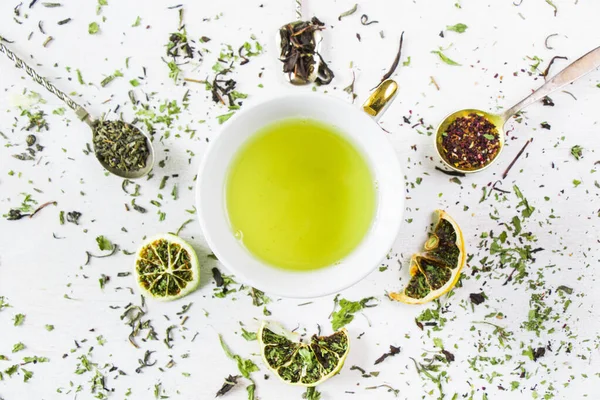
(311,394)
(19,319)
(249,336)
(93,28)
(553,6)
(246,367)
(251,389)
(3,303)
(444,58)
(348,13)
(18,347)
(459,28)
(577,152)
(345,314)
(104,243)
(223,118)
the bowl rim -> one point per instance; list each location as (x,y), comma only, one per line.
(244,277)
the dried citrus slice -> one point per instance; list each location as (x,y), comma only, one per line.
(166,267)
(437,270)
(298,363)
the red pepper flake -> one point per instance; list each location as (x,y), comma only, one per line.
(470,142)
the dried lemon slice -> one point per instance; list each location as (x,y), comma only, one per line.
(437,270)
(303,364)
(166,267)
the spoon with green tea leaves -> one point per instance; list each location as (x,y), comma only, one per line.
(300,42)
(471,140)
(121,148)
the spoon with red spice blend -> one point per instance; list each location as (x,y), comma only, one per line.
(470,140)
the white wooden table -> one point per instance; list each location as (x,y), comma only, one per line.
(45,278)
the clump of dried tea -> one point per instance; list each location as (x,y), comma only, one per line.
(470,142)
(120,145)
(299,52)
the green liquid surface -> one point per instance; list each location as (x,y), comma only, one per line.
(299,195)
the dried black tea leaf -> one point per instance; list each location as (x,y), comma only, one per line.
(230,382)
(393,351)
(299,52)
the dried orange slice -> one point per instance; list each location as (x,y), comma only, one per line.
(298,363)
(166,267)
(436,271)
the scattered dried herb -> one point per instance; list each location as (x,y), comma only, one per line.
(450,173)
(348,308)
(546,41)
(93,28)
(458,28)
(477,298)
(547,101)
(230,382)
(393,351)
(73,217)
(218,277)
(577,152)
(445,58)
(396,60)
(19,319)
(547,70)
(350,88)
(348,13)
(311,394)
(364,19)
(145,362)
(553,6)
(505,174)
(104,243)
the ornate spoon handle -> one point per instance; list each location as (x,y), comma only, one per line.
(580,67)
(79,110)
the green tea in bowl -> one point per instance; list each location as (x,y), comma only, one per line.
(300,195)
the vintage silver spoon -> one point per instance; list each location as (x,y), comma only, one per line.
(571,73)
(293,77)
(84,116)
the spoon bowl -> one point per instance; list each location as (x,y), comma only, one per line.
(497,120)
(135,174)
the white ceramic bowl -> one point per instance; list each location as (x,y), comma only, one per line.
(364,133)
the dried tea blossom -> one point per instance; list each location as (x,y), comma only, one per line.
(299,52)
(120,145)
